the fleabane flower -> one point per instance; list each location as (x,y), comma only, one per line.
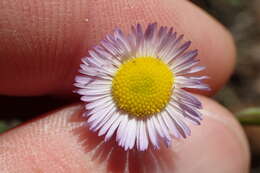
(133,86)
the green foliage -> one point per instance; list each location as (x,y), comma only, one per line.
(249,116)
(235,2)
(3,126)
(230,2)
(6,125)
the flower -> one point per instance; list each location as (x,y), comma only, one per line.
(133,86)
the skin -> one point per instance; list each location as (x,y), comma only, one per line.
(42,43)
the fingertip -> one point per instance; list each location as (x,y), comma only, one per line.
(49,60)
(216,48)
(60,141)
(45,145)
(218,145)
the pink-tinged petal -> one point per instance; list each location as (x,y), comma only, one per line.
(190,70)
(157,126)
(174,54)
(108,124)
(187,97)
(152,133)
(186,66)
(185,58)
(167,137)
(150,32)
(122,39)
(131,137)
(178,111)
(142,140)
(104,60)
(104,120)
(121,129)
(82,80)
(95,119)
(94,98)
(125,134)
(99,103)
(100,108)
(113,128)
(170,125)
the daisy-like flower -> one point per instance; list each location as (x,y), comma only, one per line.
(133,86)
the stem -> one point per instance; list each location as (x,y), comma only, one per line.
(250,116)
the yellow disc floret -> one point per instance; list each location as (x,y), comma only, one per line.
(142,86)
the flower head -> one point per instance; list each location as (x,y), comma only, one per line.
(133,86)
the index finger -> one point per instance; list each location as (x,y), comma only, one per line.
(42,44)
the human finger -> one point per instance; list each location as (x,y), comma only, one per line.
(58,142)
(42,42)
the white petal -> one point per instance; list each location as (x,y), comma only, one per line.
(100,108)
(93,98)
(167,137)
(96,75)
(184,127)
(93,92)
(187,98)
(168,54)
(101,119)
(191,70)
(122,141)
(98,103)
(106,55)
(101,112)
(109,115)
(178,121)
(121,128)
(170,124)
(113,128)
(131,134)
(178,111)
(119,35)
(184,58)
(198,86)
(98,87)
(82,79)
(95,59)
(142,139)
(108,124)
(157,126)
(138,141)
(111,48)
(94,115)
(152,133)
(176,53)
(100,82)
(186,66)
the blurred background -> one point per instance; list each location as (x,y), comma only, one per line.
(242,18)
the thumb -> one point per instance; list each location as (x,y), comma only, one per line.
(58,142)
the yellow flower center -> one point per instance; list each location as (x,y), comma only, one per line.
(142,86)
